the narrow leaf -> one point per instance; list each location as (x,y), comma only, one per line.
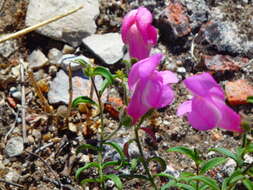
(184,150)
(250,99)
(165,175)
(168,185)
(228,153)
(87,166)
(116,180)
(102,71)
(117,148)
(248,184)
(212,163)
(160,160)
(90,180)
(206,180)
(134,163)
(82,99)
(86,146)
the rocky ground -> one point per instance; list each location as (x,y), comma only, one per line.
(195,36)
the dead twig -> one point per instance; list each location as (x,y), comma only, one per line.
(35,27)
(43,101)
(11,183)
(22,77)
(13,125)
(70,96)
(46,164)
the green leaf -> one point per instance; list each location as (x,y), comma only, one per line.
(249,148)
(206,180)
(90,180)
(225,184)
(81,62)
(168,185)
(187,174)
(104,85)
(132,176)
(186,151)
(203,187)
(160,160)
(210,164)
(235,177)
(87,166)
(117,148)
(86,146)
(165,175)
(229,154)
(82,99)
(248,184)
(110,163)
(115,179)
(102,71)
(134,163)
(250,99)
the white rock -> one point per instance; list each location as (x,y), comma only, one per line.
(70,59)
(8,47)
(71,29)
(108,47)
(14,147)
(37,59)
(54,55)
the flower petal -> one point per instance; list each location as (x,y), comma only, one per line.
(137,47)
(128,20)
(168,77)
(204,115)
(201,85)
(230,119)
(143,21)
(143,69)
(152,35)
(136,108)
(184,108)
(166,97)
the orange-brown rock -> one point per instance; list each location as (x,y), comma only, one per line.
(238,91)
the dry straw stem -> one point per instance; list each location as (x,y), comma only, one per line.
(35,27)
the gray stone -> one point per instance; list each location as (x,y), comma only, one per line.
(224,36)
(37,59)
(54,55)
(108,47)
(60,85)
(70,59)
(14,147)
(199,12)
(71,29)
(12,176)
(7,48)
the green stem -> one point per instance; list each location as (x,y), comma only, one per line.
(100,153)
(197,168)
(244,140)
(113,133)
(143,160)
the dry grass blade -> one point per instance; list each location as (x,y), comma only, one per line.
(39,25)
(46,107)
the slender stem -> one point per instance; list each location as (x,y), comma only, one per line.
(244,140)
(143,160)
(100,153)
(113,133)
(197,171)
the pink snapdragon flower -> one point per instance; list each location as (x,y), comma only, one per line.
(150,87)
(207,108)
(138,33)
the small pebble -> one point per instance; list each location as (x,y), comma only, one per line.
(68,49)
(14,147)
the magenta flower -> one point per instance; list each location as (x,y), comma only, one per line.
(138,33)
(207,108)
(149,86)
